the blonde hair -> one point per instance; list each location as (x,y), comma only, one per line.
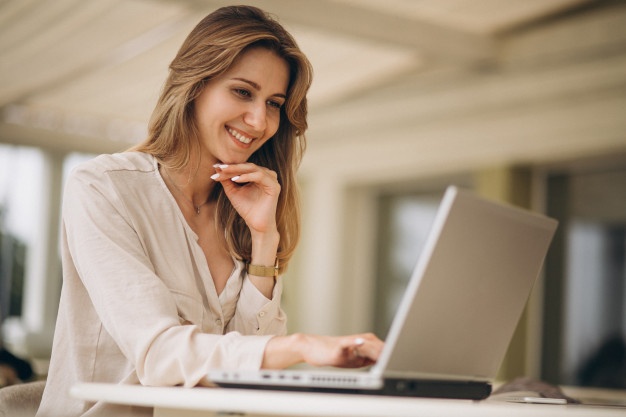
(207,52)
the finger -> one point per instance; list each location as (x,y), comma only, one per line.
(263,179)
(243,173)
(237,169)
(350,342)
(356,344)
(367,346)
(225,172)
(266,183)
(349,346)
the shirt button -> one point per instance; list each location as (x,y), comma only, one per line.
(262,313)
(218,322)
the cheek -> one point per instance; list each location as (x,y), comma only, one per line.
(202,116)
(273,123)
(213,108)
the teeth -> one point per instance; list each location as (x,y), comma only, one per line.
(241,138)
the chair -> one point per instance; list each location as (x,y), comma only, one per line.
(21,400)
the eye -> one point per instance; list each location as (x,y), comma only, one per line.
(274,104)
(242,92)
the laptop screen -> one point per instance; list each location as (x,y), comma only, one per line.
(468,290)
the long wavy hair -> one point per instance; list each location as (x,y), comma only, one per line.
(209,51)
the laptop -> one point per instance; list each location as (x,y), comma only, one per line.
(457,316)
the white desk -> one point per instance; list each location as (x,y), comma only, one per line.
(196,402)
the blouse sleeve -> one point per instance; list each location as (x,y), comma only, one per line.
(134,306)
(255,314)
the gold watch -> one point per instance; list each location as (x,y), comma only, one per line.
(262,270)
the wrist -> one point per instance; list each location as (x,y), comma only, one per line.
(266,237)
(284,351)
(267,271)
(264,248)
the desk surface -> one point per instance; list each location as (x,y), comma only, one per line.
(177,401)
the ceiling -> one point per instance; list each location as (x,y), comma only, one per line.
(427,76)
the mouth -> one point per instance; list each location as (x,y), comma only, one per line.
(240,137)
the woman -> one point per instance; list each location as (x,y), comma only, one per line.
(172,252)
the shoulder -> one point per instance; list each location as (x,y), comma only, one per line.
(126,161)
(109,173)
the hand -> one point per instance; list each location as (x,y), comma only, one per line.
(352,351)
(253,191)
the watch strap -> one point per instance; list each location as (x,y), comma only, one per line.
(262,270)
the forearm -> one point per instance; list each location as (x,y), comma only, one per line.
(264,249)
(283,351)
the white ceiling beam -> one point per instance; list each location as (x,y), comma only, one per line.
(570,58)
(583,35)
(438,42)
(24,66)
(56,130)
(463,94)
(515,136)
(59,141)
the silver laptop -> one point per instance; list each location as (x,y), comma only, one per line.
(457,316)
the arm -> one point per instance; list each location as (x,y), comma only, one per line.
(253,191)
(257,315)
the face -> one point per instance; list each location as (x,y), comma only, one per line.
(239,111)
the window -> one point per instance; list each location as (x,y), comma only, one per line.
(20,197)
(585,293)
(404,223)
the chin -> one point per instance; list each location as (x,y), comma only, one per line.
(234,160)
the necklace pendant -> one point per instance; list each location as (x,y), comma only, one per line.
(197,209)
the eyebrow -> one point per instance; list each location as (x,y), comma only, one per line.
(258,87)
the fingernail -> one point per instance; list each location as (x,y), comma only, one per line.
(215,176)
(359,341)
(221,166)
(235,178)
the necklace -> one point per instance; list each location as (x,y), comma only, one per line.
(195,207)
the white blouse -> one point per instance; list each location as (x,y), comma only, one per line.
(138,304)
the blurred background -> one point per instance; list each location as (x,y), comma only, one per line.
(521,101)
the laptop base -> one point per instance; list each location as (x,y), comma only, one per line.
(462,390)
(466,390)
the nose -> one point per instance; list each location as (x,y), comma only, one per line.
(256,116)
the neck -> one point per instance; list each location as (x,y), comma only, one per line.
(194,187)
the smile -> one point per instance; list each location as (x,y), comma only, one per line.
(241,138)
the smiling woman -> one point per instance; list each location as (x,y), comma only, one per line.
(173,252)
